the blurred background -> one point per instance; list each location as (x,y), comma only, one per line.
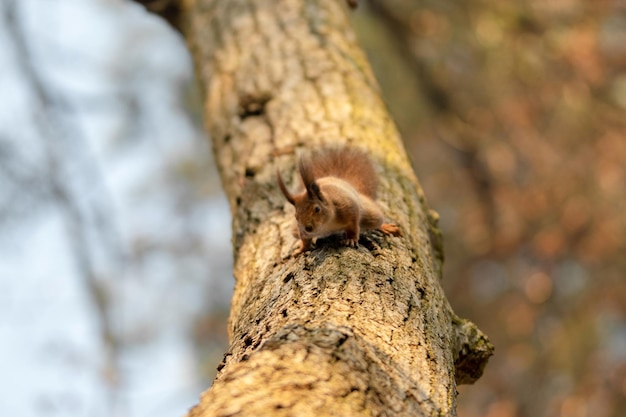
(115,257)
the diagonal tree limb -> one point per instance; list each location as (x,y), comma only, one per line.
(337,331)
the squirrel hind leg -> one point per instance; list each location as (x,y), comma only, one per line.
(390,229)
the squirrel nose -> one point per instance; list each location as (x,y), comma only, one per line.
(309,229)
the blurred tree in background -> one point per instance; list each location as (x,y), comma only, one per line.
(114,238)
(519,140)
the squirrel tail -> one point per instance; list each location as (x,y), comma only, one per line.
(349,164)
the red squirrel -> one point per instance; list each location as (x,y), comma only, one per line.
(339,196)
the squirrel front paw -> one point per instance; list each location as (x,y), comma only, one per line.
(352,238)
(303,245)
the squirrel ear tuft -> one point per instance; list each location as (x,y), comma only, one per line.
(306,172)
(314,191)
(284,189)
(308,178)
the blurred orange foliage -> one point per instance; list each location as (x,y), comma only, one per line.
(516,122)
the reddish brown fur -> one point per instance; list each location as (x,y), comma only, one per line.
(339,196)
(349,164)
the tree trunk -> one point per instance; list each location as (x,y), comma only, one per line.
(335,331)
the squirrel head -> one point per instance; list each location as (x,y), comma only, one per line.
(312,210)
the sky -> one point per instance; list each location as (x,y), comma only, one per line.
(95,175)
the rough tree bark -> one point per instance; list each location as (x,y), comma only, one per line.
(336,331)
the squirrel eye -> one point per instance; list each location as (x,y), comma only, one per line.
(317,209)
